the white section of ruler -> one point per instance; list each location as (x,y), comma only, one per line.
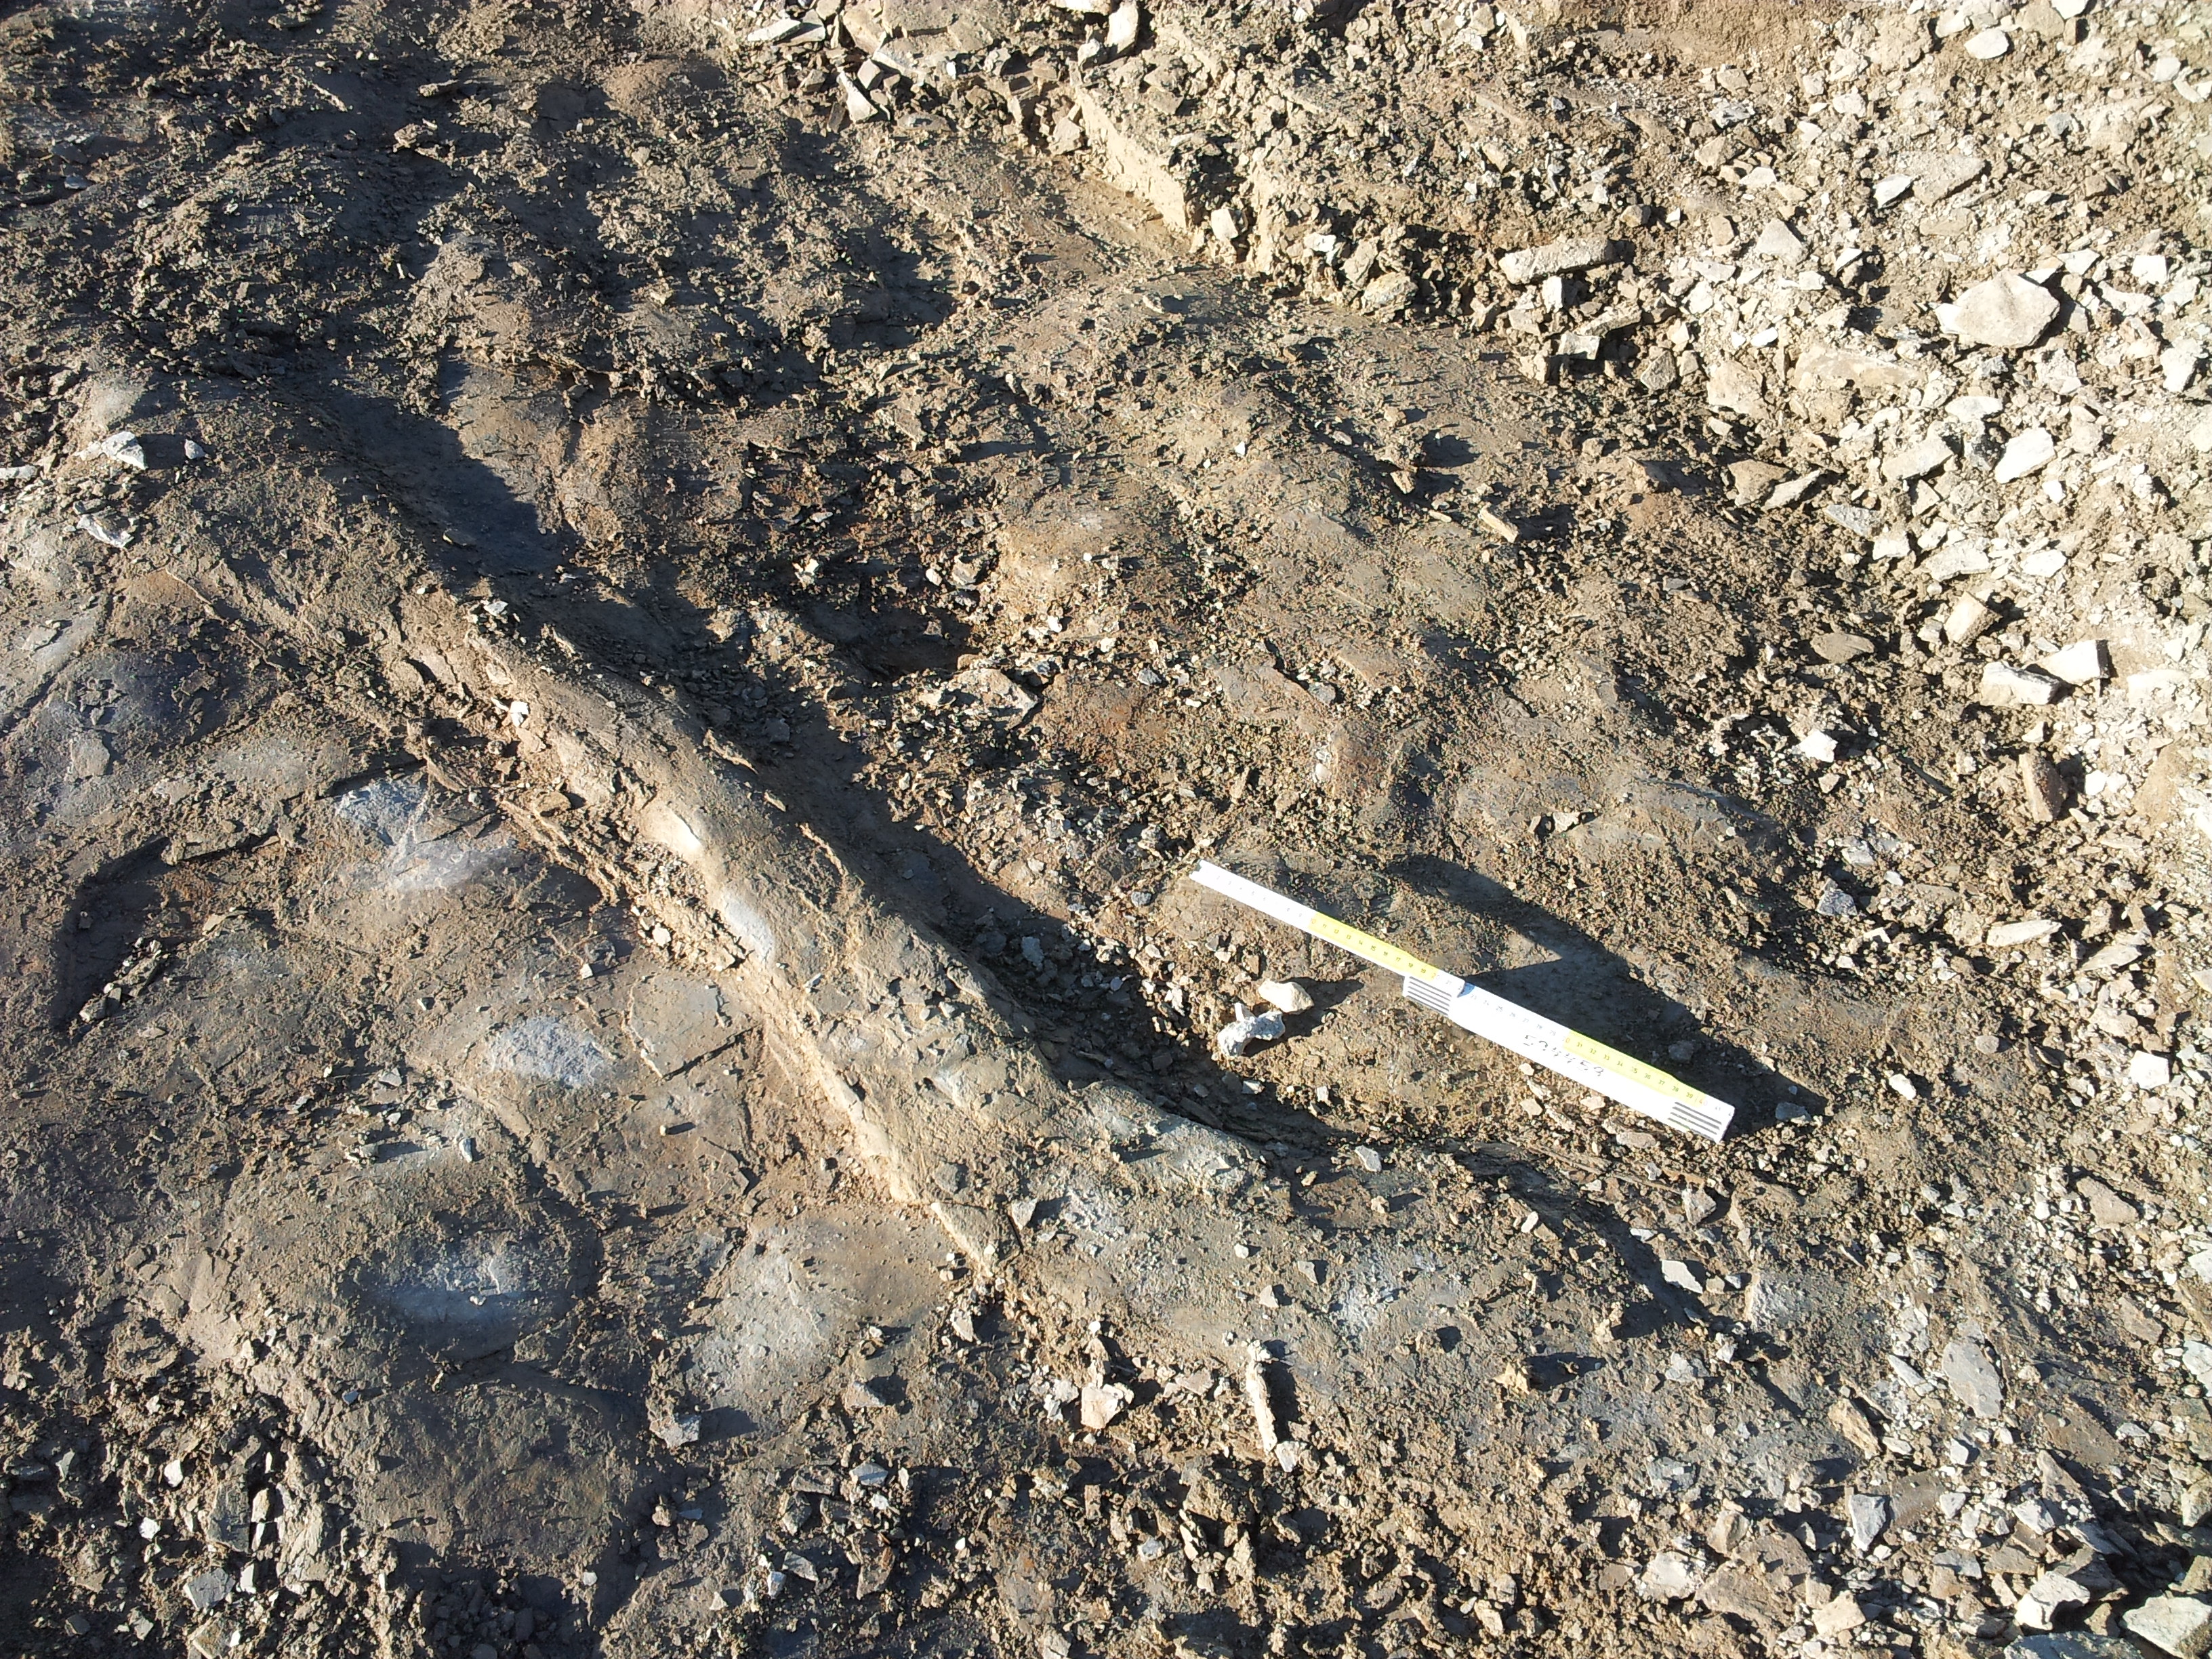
(1641,1088)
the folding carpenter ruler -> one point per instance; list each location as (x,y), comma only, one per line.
(1641,1088)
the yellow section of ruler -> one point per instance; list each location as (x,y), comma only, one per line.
(1381,952)
(1636,1071)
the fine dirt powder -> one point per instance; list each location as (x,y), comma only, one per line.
(621,625)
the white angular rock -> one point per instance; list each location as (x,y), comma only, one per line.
(1931,454)
(1859,520)
(1868,1514)
(1837,1614)
(1734,388)
(2003,685)
(2024,452)
(1102,1403)
(1122,27)
(1532,265)
(2113,958)
(2181,1625)
(1937,174)
(1966,1367)
(1967,620)
(2196,1360)
(858,106)
(901,59)
(1948,561)
(1670,1576)
(1791,491)
(2148,1071)
(2082,663)
(1989,44)
(1285,995)
(2008,311)
(1247,1029)
(1771,1301)
(1778,242)
(2011,935)
(2038,1607)
(122,447)
(208,1589)
(100,533)
(1681,1273)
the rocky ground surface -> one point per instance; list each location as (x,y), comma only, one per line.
(620,628)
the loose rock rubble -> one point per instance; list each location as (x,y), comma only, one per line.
(619,624)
